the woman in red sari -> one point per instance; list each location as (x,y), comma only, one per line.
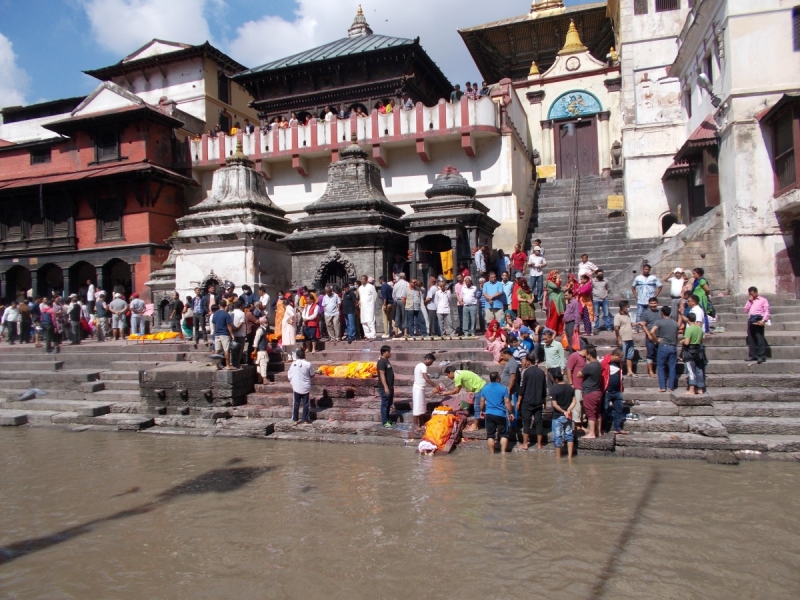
(585,298)
(495,339)
(556,304)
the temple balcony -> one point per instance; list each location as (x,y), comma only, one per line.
(420,127)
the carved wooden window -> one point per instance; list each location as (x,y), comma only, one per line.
(40,156)
(796,27)
(59,214)
(109,220)
(13,224)
(34,220)
(785,154)
(223,88)
(667,5)
(640,7)
(107,146)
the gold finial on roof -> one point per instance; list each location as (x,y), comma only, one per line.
(534,69)
(239,157)
(360,12)
(573,44)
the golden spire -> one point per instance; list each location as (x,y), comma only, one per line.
(574,44)
(360,25)
(360,12)
(534,69)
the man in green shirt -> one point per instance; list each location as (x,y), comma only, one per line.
(470,382)
(694,356)
(554,357)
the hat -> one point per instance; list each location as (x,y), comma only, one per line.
(135,295)
(524,330)
(537,248)
(677,270)
(518,274)
(73,295)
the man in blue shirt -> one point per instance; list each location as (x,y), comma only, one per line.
(645,286)
(508,290)
(388,306)
(497,410)
(222,324)
(494,294)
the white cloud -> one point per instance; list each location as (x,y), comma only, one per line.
(320,21)
(14,81)
(124,25)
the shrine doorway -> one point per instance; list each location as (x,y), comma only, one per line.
(79,274)
(576,148)
(117,278)
(334,274)
(428,254)
(18,282)
(50,280)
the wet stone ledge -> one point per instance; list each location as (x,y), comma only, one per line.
(194,385)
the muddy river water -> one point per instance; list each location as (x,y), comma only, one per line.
(105,515)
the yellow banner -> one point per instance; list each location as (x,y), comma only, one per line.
(616,203)
(447,264)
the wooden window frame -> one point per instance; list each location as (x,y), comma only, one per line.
(100,149)
(41,156)
(104,208)
(793,112)
(667,5)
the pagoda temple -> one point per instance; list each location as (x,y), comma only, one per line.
(358,70)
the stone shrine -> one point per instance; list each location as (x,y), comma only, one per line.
(450,218)
(234,234)
(351,230)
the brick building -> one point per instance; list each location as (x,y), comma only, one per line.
(89,195)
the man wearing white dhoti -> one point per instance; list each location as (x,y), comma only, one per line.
(367,297)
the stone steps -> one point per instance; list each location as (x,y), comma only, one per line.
(106,376)
(83,408)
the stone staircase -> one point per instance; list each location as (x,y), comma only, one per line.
(602,237)
(751,411)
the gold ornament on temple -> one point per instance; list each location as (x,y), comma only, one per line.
(573,44)
(534,69)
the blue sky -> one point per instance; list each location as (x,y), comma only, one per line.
(45,44)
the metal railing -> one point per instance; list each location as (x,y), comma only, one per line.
(572,232)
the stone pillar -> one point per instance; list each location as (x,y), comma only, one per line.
(133,277)
(99,272)
(547,143)
(65,276)
(605,145)
(34,283)
(3,288)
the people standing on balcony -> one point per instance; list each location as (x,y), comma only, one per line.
(456,94)
(471,92)
(408,103)
(236,128)
(645,286)
(381,107)
(248,126)
(390,106)
(757,310)
(284,124)
(484,91)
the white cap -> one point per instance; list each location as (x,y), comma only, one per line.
(537,248)
(677,270)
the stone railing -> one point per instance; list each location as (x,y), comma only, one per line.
(463,118)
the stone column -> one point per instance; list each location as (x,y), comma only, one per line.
(547,142)
(99,272)
(133,277)
(65,277)
(605,146)
(34,283)
(3,288)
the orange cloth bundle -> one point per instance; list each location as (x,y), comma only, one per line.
(156,337)
(354,370)
(440,426)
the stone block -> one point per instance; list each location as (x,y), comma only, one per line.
(721,457)
(12,418)
(707,426)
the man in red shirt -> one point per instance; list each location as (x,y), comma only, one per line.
(518,259)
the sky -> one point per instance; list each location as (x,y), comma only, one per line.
(46,44)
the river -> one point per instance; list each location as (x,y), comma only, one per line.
(107,515)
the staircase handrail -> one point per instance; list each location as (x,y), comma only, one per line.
(572,233)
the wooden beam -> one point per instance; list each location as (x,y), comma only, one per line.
(423,150)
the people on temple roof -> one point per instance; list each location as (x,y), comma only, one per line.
(484,91)
(408,103)
(390,106)
(236,127)
(456,94)
(293,120)
(471,93)
(381,107)
(248,126)
(284,124)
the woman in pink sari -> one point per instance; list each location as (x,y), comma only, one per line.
(495,339)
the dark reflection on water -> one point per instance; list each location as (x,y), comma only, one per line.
(141,516)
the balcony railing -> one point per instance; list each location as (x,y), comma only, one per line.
(462,118)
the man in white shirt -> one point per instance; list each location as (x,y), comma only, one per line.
(90,296)
(367,298)
(421,379)
(676,284)
(536,265)
(299,375)
(469,300)
(480,261)
(442,300)
(586,267)
(430,308)
(264,299)
(239,332)
(330,307)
